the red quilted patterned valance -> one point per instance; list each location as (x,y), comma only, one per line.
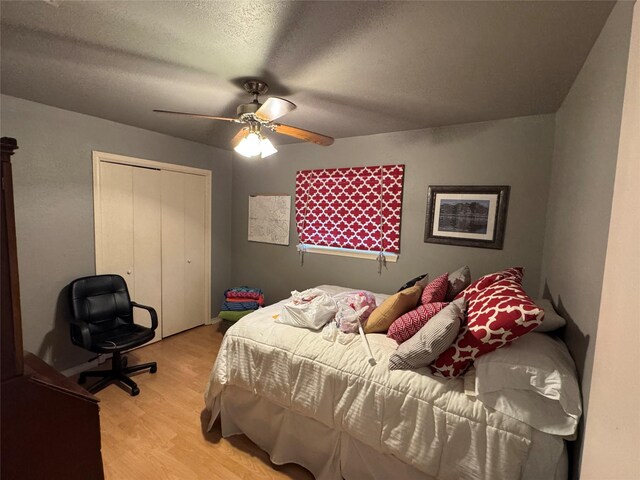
(357,208)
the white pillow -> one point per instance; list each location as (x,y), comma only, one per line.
(552,321)
(431,340)
(533,380)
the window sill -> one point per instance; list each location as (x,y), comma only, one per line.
(345,252)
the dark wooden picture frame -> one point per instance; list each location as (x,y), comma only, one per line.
(468,216)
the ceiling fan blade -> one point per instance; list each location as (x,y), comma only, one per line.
(306,135)
(238,137)
(273,108)
(198,115)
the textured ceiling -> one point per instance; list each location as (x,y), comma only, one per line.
(353,68)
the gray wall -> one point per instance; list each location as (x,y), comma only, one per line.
(515,152)
(581,188)
(580,197)
(54,209)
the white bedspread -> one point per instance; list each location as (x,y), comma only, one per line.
(425,421)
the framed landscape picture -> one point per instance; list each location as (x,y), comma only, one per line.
(470,216)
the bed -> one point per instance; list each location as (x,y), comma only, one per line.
(316,401)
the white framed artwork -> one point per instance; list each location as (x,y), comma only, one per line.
(269,218)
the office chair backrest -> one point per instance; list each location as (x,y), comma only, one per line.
(101,301)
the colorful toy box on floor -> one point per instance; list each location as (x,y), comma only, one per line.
(240,301)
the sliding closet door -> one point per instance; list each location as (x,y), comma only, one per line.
(172,252)
(147,248)
(152,227)
(116,229)
(130,233)
(183,259)
(194,233)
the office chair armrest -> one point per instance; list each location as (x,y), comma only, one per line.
(84,337)
(152,312)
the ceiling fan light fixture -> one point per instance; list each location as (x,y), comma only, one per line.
(249,146)
(267,147)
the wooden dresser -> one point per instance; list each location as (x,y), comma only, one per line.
(50,425)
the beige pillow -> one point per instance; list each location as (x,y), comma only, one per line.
(392,308)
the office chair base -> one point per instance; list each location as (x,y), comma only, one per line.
(118,373)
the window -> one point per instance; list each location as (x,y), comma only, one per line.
(350,211)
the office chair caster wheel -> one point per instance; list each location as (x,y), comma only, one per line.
(153,369)
(135,391)
(124,362)
(82,379)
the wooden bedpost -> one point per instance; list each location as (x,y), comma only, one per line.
(11,331)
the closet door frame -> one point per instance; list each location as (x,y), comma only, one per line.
(99,157)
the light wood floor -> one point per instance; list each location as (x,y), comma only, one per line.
(160,434)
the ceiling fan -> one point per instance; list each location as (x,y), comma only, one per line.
(256,116)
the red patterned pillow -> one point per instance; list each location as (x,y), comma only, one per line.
(487,280)
(436,290)
(496,316)
(408,324)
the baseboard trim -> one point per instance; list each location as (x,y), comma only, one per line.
(69,372)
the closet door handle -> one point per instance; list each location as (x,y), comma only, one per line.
(129,272)
(189,261)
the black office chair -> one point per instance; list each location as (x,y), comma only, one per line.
(103,323)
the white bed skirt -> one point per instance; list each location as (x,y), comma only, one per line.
(329,454)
